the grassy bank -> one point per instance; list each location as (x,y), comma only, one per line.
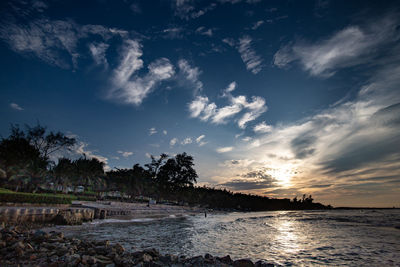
(8,196)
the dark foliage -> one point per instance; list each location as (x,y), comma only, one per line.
(165,178)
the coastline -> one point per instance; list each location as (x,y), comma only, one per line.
(85,211)
(48,244)
(19,246)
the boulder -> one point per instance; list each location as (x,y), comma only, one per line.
(196,261)
(147,257)
(243,263)
(263,263)
(73,259)
(227,260)
(119,248)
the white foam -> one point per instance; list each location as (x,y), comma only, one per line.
(121,221)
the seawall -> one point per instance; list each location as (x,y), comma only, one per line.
(57,215)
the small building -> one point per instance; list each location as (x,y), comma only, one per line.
(79,189)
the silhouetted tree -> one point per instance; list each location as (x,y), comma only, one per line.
(154,166)
(21,161)
(47,143)
(178,171)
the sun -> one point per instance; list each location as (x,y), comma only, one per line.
(283,175)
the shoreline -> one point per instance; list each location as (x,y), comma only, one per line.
(84,211)
(21,246)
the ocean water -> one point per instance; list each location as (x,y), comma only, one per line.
(334,237)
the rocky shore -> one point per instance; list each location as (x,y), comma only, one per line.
(25,247)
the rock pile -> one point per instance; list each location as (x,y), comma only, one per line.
(20,247)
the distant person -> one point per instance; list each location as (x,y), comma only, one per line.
(205,214)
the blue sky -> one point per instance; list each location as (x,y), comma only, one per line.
(278,98)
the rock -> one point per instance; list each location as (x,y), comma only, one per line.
(91,252)
(73,259)
(152,252)
(243,263)
(117,260)
(102,250)
(208,256)
(168,259)
(103,243)
(227,260)
(209,259)
(19,251)
(103,260)
(86,259)
(196,261)
(62,250)
(263,263)
(54,258)
(60,235)
(19,244)
(146,257)
(29,247)
(120,249)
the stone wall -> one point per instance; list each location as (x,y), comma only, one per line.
(16,215)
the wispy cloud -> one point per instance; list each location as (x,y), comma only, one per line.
(152,131)
(203,31)
(351,46)
(262,128)
(173,141)
(253,61)
(257,24)
(16,106)
(187,141)
(199,140)
(229,41)
(173,32)
(224,149)
(81,148)
(51,40)
(98,51)
(128,87)
(340,148)
(201,108)
(135,7)
(190,74)
(187,9)
(125,154)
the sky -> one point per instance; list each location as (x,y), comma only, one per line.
(276,98)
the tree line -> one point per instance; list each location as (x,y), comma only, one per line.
(25,165)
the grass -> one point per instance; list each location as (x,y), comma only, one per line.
(45,198)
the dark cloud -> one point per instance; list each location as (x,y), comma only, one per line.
(284,192)
(302,146)
(252,180)
(258,174)
(320,186)
(361,153)
(389,116)
(242,184)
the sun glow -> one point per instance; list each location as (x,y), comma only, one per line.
(283,175)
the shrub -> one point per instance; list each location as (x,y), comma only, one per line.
(87,198)
(19,197)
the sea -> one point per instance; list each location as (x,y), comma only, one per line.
(364,237)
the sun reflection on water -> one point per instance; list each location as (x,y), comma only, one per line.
(287,236)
